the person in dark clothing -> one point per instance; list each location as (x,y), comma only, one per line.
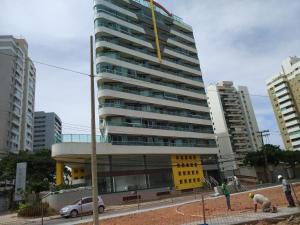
(286,187)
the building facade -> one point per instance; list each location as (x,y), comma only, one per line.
(284,93)
(235,126)
(153,112)
(47,130)
(17,95)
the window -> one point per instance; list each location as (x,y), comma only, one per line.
(179,173)
(87,200)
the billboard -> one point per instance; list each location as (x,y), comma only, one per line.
(20,184)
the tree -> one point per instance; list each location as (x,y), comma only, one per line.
(40,169)
(291,158)
(273,153)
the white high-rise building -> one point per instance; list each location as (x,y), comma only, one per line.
(153,111)
(235,125)
(17,94)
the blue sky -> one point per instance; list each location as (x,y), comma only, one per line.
(239,40)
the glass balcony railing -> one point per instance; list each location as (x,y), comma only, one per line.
(158,95)
(133,33)
(168,144)
(155,110)
(133,75)
(147,51)
(161,127)
(79,138)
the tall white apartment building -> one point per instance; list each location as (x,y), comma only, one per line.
(235,125)
(153,109)
(284,93)
(17,92)
(146,104)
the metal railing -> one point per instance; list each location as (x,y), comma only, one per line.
(152,109)
(135,76)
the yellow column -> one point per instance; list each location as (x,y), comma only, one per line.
(155,31)
(59,172)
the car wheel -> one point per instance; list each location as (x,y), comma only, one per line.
(74,213)
(101,209)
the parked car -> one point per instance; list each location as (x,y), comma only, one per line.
(82,206)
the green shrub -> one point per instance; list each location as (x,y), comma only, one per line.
(26,210)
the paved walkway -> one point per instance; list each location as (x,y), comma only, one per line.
(248,217)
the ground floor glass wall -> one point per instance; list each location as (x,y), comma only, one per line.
(122,173)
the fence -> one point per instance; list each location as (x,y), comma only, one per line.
(188,208)
(202,208)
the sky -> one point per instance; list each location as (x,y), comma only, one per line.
(239,40)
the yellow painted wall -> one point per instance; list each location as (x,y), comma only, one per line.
(59,172)
(187,171)
(77,173)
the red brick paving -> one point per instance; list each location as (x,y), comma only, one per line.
(193,212)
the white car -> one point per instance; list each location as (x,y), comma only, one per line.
(82,206)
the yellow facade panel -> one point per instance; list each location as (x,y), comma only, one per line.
(187,171)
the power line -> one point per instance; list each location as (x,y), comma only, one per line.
(50,65)
(121,79)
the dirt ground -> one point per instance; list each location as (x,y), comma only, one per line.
(214,209)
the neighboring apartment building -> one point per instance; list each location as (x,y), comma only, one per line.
(47,130)
(284,92)
(154,115)
(17,94)
(235,126)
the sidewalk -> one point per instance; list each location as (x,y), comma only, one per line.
(249,217)
(13,219)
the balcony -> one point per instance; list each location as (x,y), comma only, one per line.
(152,94)
(281,93)
(154,110)
(79,138)
(281,86)
(133,75)
(160,127)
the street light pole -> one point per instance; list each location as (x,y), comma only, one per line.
(263,134)
(93,131)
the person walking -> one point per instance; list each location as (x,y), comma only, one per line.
(227,194)
(263,201)
(286,187)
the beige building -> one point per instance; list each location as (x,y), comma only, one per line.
(17,91)
(284,92)
(235,126)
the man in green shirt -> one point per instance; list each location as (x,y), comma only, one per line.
(226,193)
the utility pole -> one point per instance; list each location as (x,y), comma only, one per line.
(93,131)
(262,134)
